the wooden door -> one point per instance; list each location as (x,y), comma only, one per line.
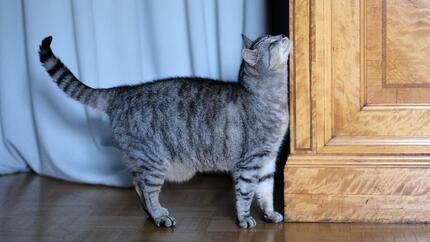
(360,111)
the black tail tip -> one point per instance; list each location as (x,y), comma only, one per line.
(45,51)
(46,42)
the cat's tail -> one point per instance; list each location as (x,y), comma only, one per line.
(66,81)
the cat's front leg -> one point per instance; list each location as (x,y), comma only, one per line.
(264,193)
(245,185)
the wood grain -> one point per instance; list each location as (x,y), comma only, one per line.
(397,50)
(407,42)
(342,78)
(300,70)
(34,208)
(357,189)
(370,113)
(345,60)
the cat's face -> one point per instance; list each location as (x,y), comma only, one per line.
(267,53)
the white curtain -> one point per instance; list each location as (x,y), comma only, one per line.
(105,43)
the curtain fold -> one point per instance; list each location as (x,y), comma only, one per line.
(105,43)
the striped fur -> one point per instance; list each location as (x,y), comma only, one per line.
(170,129)
(66,81)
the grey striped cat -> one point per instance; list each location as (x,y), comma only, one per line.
(170,129)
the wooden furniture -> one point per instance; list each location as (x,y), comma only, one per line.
(360,111)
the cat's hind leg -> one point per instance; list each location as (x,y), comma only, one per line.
(148,177)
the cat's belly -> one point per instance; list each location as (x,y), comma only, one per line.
(177,172)
(181,171)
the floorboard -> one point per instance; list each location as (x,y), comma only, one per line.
(36,208)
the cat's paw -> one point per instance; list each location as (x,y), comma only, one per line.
(165,221)
(247,222)
(273,217)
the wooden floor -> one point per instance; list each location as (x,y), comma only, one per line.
(34,208)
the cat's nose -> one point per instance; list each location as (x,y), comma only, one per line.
(285,39)
(282,36)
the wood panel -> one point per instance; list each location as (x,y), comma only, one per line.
(345,58)
(397,51)
(407,46)
(370,113)
(300,71)
(344,112)
(351,189)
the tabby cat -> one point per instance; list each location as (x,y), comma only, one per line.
(172,128)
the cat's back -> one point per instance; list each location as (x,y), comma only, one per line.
(173,102)
(175,90)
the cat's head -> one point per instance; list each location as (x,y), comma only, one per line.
(266,54)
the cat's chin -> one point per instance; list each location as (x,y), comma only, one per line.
(288,48)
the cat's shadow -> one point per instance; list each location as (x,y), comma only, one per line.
(281,161)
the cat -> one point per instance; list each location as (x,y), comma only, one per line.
(170,129)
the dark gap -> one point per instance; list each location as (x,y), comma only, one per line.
(277,19)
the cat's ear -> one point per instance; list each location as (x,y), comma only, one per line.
(246,41)
(250,56)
